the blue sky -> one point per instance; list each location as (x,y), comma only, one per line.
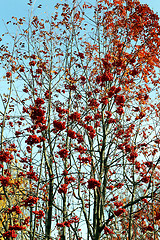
(19,8)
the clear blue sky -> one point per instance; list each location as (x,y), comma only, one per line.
(19,8)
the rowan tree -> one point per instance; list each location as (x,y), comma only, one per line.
(80,124)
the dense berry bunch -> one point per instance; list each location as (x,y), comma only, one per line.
(92,183)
